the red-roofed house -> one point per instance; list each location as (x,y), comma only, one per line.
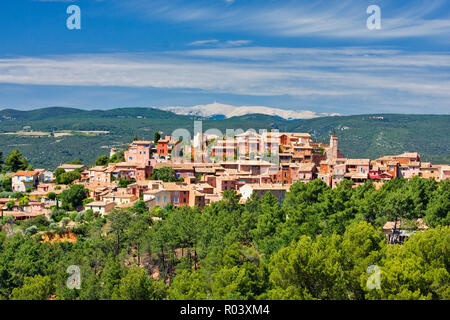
(23,180)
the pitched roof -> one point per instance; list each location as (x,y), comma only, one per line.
(408,155)
(98,168)
(141,142)
(25,173)
(98,204)
(71,166)
(358,162)
(306,166)
(268,186)
(399,224)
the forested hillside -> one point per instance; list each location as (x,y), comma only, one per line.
(65,132)
(318,244)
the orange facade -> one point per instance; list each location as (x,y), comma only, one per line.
(163,148)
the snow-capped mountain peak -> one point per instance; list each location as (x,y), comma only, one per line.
(228,111)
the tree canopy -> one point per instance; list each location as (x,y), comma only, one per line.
(73,197)
(166,174)
(320,243)
(103,160)
(15,162)
(67,177)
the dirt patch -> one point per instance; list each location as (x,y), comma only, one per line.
(29,133)
(54,237)
(56,134)
(61,134)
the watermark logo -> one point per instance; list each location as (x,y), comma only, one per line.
(374,21)
(374,281)
(74,20)
(74,281)
(214,145)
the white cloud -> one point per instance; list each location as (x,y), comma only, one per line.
(320,18)
(228,43)
(237,43)
(373,77)
(203,42)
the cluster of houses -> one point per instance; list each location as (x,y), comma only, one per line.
(211,164)
(37,186)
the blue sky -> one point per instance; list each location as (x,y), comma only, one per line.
(310,55)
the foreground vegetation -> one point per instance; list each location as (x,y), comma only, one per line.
(317,245)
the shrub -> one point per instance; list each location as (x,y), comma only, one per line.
(53,226)
(31,230)
(80,216)
(65,221)
(89,215)
(51,196)
(73,216)
(58,214)
(39,221)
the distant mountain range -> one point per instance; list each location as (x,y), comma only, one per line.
(218,110)
(63,134)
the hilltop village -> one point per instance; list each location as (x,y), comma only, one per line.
(198,172)
(226,217)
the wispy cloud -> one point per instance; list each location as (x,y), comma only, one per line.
(203,42)
(342,19)
(214,42)
(370,77)
(237,43)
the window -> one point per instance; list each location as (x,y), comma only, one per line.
(159,199)
(164,199)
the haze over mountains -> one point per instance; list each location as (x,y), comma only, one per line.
(219,110)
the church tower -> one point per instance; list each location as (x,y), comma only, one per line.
(333,151)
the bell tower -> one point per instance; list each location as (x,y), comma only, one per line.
(333,153)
